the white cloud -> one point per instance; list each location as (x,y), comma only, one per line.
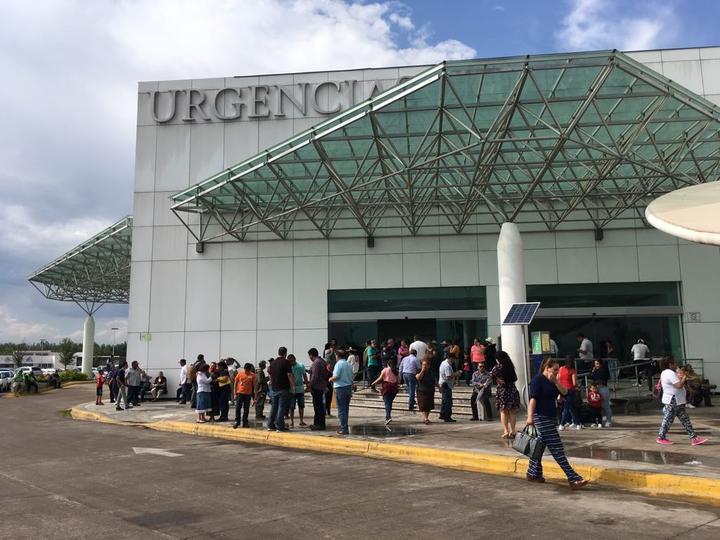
(13,329)
(104,331)
(70,70)
(403,21)
(596,24)
(22,230)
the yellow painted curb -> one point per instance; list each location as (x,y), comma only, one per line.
(79,414)
(661,484)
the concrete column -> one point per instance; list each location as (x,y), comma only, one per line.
(88,345)
(511,285)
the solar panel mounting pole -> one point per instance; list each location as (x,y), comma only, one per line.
(511,290)
(521,314)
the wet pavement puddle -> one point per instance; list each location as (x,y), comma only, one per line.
(373,430)
(654,457)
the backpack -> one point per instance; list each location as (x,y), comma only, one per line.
(657,392)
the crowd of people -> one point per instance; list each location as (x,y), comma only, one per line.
(423,368)
(128,385)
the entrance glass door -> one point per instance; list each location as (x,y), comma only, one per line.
(406,328)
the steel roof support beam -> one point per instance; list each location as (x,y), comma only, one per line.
(577,115)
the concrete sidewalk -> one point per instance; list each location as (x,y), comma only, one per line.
(625,455)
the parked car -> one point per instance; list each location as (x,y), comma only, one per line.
(6,379)
(35,370)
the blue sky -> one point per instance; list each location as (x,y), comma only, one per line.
(518,27)
(71,68)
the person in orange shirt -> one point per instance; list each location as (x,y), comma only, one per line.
(244,389)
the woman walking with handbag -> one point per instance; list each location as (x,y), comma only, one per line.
(543,392)
(390,379)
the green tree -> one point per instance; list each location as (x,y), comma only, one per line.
(18,358)
(67,348)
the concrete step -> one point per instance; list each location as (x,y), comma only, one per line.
(463,411)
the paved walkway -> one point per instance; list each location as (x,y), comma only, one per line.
(629,444)
(143,483)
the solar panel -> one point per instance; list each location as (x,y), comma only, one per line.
(521,313)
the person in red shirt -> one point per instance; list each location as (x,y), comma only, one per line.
(595,401)
(244,390)
(567,376)
(99,383)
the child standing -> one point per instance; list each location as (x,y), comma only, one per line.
(467,372)
(99,383)
(595,400)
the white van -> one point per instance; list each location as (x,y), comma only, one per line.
(6,379)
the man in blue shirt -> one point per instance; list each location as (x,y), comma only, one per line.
(409,367)
(342,384)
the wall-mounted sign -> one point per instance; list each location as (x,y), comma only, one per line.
(262,101)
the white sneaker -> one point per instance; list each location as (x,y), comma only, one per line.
(608,424)
(690,406)
(598,426)
(578,427)
(561,427)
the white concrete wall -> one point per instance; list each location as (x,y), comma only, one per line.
(245,300)
(241,300)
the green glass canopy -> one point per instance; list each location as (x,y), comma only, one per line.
(568,141)
(94,273)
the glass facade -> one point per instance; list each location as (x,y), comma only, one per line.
(660,331)
(409,299)
(661,334)
(566,310)
(357,333)
(661,293)
(430,312)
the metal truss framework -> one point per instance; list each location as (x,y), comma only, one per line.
(95,273)
(557,141)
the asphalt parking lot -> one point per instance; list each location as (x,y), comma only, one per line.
(67,479)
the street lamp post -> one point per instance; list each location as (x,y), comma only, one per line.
(114,331)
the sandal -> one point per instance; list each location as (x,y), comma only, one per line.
(426,422)
(505,436)
(578,484)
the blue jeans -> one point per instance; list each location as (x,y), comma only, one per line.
(388,401)
(569,410)
(342,398)
(411,382)
(242,408)
(606,406)
(279,409)
(446,401)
